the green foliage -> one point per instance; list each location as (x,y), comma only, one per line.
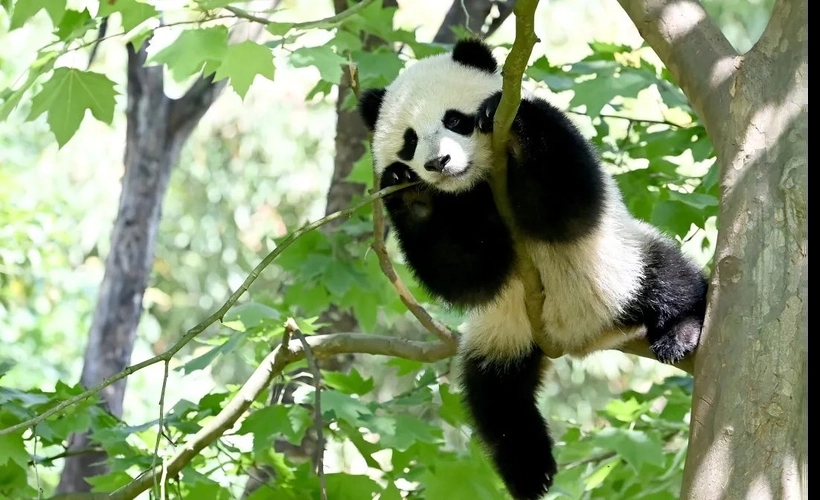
(402,420)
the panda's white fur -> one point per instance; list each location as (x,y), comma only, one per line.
(607,276)
(460,87)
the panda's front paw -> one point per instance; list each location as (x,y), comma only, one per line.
(395,174)
(414,203)
(486,113)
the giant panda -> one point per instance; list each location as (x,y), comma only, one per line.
(608,277)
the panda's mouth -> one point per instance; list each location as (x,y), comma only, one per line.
(455,174)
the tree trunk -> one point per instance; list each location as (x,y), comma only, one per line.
(157,127)
(750,405)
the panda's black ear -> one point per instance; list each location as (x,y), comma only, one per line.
(370,102)
(474,52)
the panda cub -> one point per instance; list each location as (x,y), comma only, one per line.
(608,277)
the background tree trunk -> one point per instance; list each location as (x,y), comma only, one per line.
(156,129)
(750,405)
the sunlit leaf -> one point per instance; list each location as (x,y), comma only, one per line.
(25,9)
(242,62)
(67,95)
(132,12)
(190,52)
(323,59)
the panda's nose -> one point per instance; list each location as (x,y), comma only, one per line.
(437,164)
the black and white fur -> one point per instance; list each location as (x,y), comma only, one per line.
(607,276)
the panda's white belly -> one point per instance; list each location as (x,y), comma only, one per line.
(586,286)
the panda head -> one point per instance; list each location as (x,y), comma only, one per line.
(426,117)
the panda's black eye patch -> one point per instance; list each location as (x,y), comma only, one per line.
(408,149)
(458,122)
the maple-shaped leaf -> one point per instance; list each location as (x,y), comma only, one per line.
(67,95)
(193,50)
(242,62)
(133,13)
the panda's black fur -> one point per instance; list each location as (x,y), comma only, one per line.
(608,278)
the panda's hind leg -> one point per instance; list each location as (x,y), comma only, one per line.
(671,302)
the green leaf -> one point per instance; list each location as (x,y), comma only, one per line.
(351,383)
(323,58)
(26,9)
(12,448)
(190,52)
(451,410)
(279,29)
(67,96)
(635,447)
(200,362)
(472,479)
(344,407)
(242,62)
(132,13)
(275,421)
(75,24)
(343,486)
(555,77)
(377,69)
(596,478)
(597,92)
(362,170)
(250,315)
(409,430)
(11,98)
(405,366)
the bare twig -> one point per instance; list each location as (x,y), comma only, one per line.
(293,328)
(332,20)
(270,368)
(213,318)
(161,423)
(431,324)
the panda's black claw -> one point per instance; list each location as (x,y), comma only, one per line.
(397,173)
(486,113)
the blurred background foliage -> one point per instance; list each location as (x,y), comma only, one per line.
(259,167)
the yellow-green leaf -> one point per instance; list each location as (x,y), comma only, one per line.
(187,55)
(67,96)
(25,9)
(323,58)
(133,13)
(242,62)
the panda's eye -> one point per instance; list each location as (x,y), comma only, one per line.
(458,122)
(409,142)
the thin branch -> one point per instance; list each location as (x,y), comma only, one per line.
(270,368)
(213,318)
(513,73)
(693,48)
(332,20)
(161,423)
(431,324)
(405,295)
(630,119)
(293,328)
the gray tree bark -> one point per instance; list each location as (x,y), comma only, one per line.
(749,424)
(157,127)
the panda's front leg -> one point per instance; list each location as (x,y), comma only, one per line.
(554,180)
(455,243)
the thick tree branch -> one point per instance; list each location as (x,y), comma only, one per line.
(694,50)
(272,366)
